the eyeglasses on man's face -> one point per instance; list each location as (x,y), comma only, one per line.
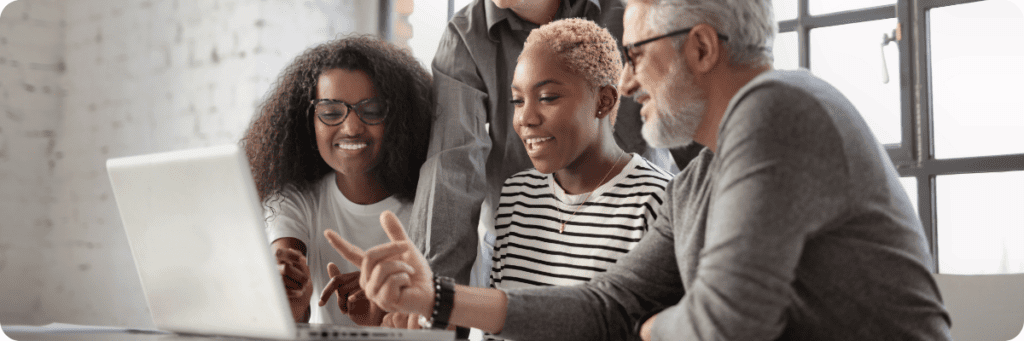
(333,112)
(627,56)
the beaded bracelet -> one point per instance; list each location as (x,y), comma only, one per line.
(444,298)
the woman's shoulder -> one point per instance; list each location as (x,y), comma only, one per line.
(309,196)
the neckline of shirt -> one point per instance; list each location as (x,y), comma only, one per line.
(577,199)
(389,203)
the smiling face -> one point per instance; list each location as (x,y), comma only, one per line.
(352,147)
(555,110)
(673,106)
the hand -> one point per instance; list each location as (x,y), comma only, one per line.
(363,311)
(297,285)
(344,284)
(395,275)
(401,320)
(351,299)
(645,329)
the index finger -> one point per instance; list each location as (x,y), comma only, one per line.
(353,254)
(392,227)
(332,269)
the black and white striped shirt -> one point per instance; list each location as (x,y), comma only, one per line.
(529,250)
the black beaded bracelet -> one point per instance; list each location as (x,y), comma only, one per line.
(444,298)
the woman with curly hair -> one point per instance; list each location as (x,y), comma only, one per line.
(339,139)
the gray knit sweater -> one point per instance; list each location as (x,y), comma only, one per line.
(798,229)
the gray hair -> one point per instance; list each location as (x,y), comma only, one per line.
(749,24)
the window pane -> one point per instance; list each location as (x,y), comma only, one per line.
(850,58)
(427,21)
(829,6)
(784,9)
(977,63)
(980,228)
(910,185)
(786,51)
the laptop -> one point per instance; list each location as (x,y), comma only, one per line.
(196,230)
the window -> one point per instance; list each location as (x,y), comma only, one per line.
(976,57)
(969,154)
(951,116)
(830,6)
(842,42)
(786,51)
(849,57)
(418,24)
(980,229)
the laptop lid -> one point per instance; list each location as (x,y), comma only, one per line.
(196,230)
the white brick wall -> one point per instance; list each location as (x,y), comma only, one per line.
(31,63)
(112,78)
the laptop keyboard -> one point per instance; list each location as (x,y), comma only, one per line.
(331,332)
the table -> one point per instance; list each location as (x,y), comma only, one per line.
(63,331)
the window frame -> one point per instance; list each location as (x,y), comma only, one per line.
(914,156)
(805,22)
(924,166)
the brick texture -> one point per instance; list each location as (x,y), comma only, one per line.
(84,81)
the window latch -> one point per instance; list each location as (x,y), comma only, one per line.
(886,39)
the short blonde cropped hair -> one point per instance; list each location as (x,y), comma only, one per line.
(584,48)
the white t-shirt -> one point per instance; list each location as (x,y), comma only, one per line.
(306,215)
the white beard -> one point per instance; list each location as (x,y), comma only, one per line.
(669,130)
(675,124)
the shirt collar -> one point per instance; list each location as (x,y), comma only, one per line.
(568,9)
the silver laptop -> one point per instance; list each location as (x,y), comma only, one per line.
(196,230)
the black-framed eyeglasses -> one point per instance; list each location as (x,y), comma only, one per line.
(625,48)
(371,111)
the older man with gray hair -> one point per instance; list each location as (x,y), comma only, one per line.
(791,225)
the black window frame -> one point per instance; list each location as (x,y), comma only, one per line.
(914,156)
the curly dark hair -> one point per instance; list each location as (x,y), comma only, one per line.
(281,142)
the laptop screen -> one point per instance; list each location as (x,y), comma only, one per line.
(196,230)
